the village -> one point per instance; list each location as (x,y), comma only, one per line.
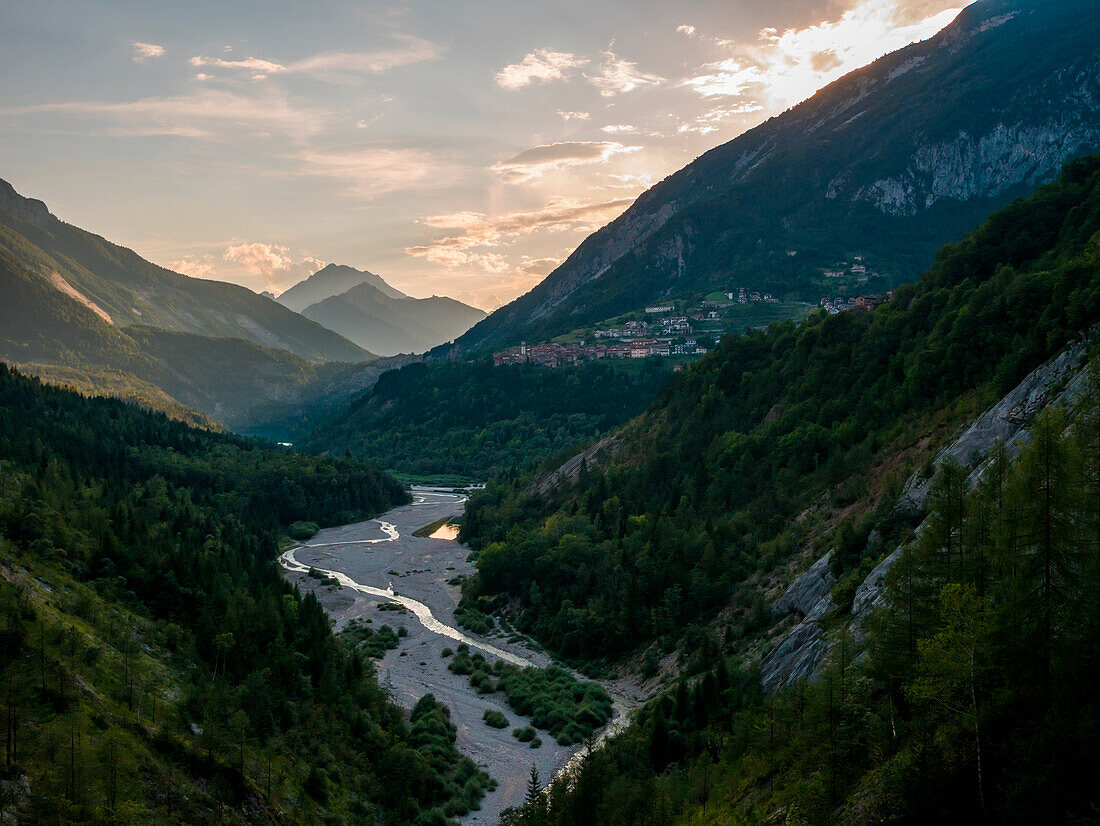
(665,334)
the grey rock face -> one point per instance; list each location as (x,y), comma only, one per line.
(1007,420)
(807,590)
(596,455)
(981,166)
(798,656)
(802,650)
(1062,381)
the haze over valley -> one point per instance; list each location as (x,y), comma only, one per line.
(550,416)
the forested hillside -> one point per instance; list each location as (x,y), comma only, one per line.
(471,419)
(157,668)
(976,702)
(791,438)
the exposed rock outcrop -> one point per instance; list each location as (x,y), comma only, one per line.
(595,456)
(807,590)
(802,650)
(1059,381)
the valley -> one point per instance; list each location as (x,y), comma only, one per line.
(721,446)
(381,563)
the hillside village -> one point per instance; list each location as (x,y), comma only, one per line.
(665,335)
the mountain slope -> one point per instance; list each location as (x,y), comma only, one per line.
(230,380)
(147,625)
(123,289)
(470,419)
(329,281)
(888,162)
(382,324)
(747,458)
(975,601)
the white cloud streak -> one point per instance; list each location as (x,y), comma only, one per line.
(542,66)
(204,113)
(369,172)
(333,67)
(143,51)
(537,161)
(617,76)
(788,67)
(479,237)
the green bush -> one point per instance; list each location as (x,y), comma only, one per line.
(494,719)
(525,734)
(303,530)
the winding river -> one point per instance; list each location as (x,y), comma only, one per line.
(375,551)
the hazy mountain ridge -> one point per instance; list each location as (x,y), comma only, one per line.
(48,334)
(329,281)
(375,315)
(890,161)
(391,326)
(132,291)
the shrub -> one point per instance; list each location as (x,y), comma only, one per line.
(525,734)
(303,530)
(494,719)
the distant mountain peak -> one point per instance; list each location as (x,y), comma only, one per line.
(332,280)
(368,315)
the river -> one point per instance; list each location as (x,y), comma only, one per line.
(380,562)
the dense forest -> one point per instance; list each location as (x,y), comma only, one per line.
(706,494)
(471,419)
(156,667)
(976,701)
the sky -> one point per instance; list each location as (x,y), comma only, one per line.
(455,147)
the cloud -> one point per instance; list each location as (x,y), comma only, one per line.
(270,263)
(143,51)
(613,128)
(541,65)
(250,64)
(567,116)
(369,172)
(787,67)
(617,76)
(259,259)
(206,113)
(537,161)
(539,266)
(689,31)
(479,237)
(195,266)
(343,66)
(333,67)
(719,116)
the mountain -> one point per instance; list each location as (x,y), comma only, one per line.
(229,380)
(386,324)
(329,281)
(862,551)
(887,163)
(143,611)
(125,290)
